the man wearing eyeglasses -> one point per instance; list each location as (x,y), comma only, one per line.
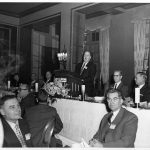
(118,128)
(118,84)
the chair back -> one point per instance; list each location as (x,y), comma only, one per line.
(47,134)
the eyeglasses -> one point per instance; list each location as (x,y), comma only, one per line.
(116,75)
(115,99)
(21,89)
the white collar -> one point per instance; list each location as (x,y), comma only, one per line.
(12,124)
(117,84)
(85,63)
(115,113)
(140,86)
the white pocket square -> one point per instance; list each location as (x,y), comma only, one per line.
(28,136)
(112,126)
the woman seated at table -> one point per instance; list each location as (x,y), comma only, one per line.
(15,82)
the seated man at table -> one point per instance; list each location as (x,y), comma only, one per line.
(140,80)
(16,130)
(33,81)
(118,128)
(118,83)
(26,98)
(39,115)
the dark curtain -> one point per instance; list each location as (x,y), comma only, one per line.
(49,62)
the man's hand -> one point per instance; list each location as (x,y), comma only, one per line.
(95,143)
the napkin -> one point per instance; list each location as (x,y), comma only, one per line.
(83,144)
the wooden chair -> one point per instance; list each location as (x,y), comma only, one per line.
(47,134)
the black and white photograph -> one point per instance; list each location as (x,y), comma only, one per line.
(75,74)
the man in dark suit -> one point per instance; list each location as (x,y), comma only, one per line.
(33,81)
(140,80)
(39,115)
(117,76)
(117,128)
(48,77)
(27,99)
(16,80)
(16,130)
(87,70)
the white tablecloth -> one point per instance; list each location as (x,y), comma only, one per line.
(82,119)
(143,132)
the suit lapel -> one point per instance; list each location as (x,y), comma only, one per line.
(105,127)
(143,88)
(9,135)
(85,68)
(118,117)
(120,85)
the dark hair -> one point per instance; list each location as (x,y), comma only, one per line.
(119,72)
(48,71)
(142,74)
(90,54)
(26,86)
(42,96)
(6,98)
(112,90)
(16,74)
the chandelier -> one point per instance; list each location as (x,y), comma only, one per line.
(62,57)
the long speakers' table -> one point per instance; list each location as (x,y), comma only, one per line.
(82,119)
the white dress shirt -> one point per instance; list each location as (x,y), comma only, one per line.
(117,84)
(115,113)
(12,125)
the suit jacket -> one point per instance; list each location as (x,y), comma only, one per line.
(28,101)
(145,94)
(123,88)
(121,132)
(37,117)
(10,138)
(87,75)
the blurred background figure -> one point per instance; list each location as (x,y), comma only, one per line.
(87,71)
(26,98)
(33,81)
(15,80)
(48,77)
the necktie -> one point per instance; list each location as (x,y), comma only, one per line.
(115,87)
(82,68)
(109,118)
(20,136)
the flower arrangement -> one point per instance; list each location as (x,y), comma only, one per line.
(57,88)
